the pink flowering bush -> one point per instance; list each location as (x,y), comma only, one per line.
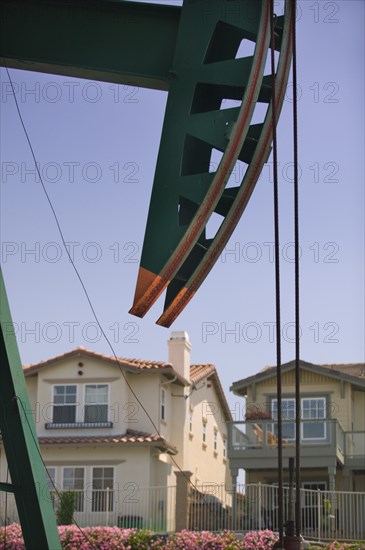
(205,540)
(115,538)
(260,540)
(14,537)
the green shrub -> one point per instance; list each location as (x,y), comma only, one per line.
(66,508)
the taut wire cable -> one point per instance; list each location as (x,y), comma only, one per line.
(296,275)
(277,279)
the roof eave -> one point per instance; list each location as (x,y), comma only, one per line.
(240,387)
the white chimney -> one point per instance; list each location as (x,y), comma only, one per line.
(179,352)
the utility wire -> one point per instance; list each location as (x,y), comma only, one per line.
(83,285)
(277,279)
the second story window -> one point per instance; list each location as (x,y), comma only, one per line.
(163,404)
(314,409)
(288,417)
(190,421)
(64,404)
(80,406)
(96,403)
(215,440)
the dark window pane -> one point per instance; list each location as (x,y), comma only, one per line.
(96,413)
(313,430)
(64,414)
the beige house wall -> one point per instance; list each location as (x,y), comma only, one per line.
(359,410)
(146,388)
(207,464)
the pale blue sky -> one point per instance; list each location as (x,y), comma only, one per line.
(82,132)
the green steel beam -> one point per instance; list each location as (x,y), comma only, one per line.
(20,442)
(6,487)
(112,41)
(187,188)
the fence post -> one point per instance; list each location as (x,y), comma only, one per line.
(319,513)
(259,500)
(107,506)
(234,474)
(182,503)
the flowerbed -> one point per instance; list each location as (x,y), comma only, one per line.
(114,538)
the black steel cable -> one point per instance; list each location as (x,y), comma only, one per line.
(277,280)
(296,268)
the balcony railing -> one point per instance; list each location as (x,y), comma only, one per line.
(263,434)
(354,444)
(255,434)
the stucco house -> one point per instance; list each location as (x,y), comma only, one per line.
(332,436)
(96,438)
(332,425)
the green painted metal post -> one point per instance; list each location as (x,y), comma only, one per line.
(27,472)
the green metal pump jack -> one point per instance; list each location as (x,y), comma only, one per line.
(18,432)
(191,52)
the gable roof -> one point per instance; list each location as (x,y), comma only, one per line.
(349,372)
(131,365)
(197,372)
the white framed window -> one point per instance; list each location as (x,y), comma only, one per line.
(288,414)
(102,493)
(314,408)
(74,480)
(64,404)
(204,428)
(215,440)
(163,404)
(224,447)
(96,403)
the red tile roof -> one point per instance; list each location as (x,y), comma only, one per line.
(198,372)
(127,363)
(130,437)
(139,363)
